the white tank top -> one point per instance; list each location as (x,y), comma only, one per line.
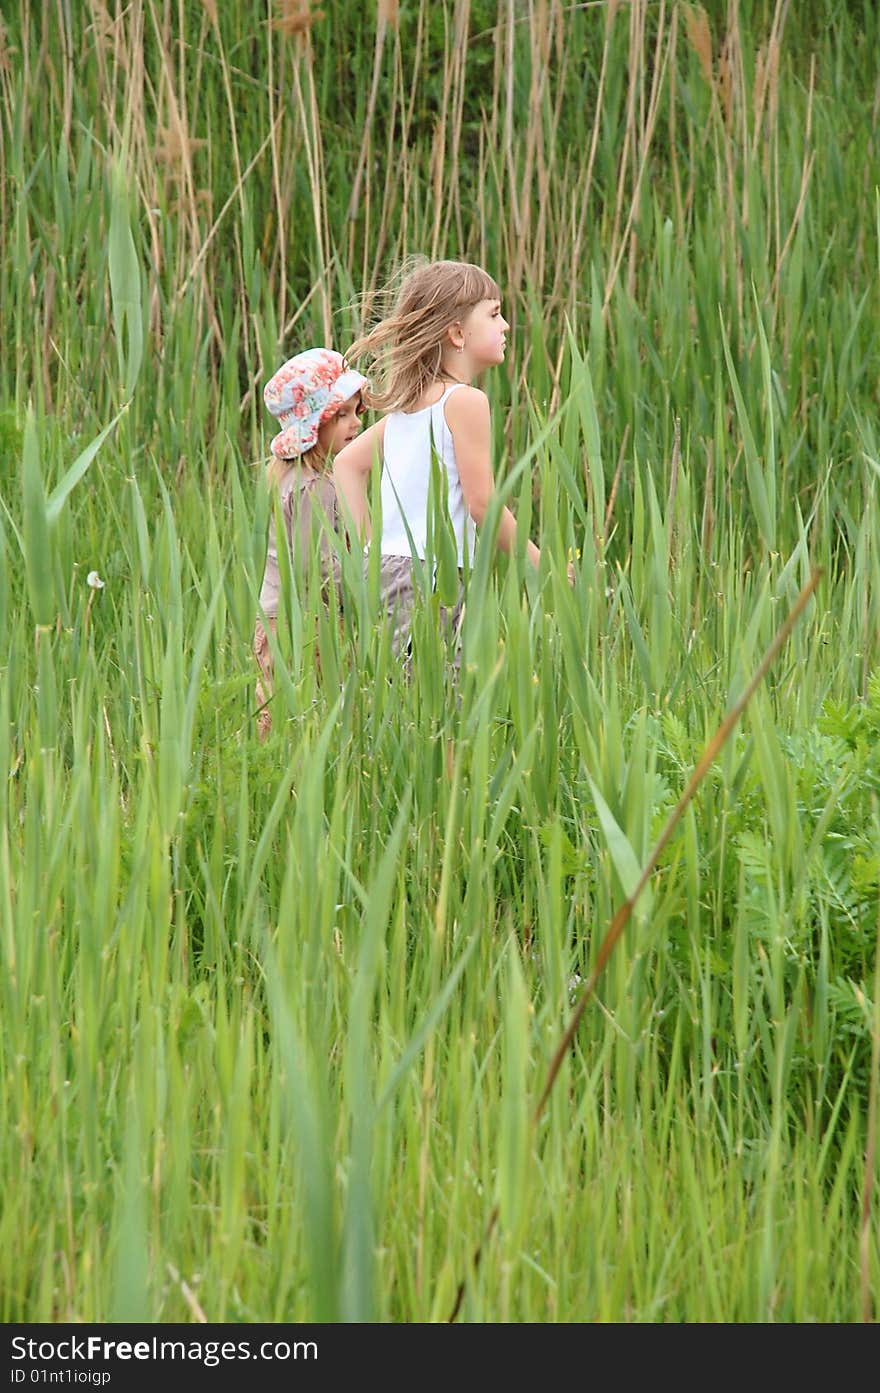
(406,475)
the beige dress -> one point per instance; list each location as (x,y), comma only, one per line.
(310,511)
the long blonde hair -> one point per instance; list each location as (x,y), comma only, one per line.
(406,345)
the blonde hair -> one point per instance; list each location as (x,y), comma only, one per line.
(277,468)
(407,343)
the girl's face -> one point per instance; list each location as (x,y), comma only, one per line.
(342,428)
(485,329)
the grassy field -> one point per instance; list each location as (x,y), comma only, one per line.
(276,1018)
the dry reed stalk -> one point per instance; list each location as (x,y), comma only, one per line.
(383,20)
(404,170)
(700,36)
(673,151)
(497,72)
(771,144)
(725,81)
(398,167)
(556,59)
(583,192)
(461,27)
(729,63)
(491,161)
(691,164)
(647,136)
(658,69)
(639,16)
(395,169)
(68,74)
(145,172)
(719,84)
(119,47)
(295,18)
(311,128)
(210,7)
(174,149)
(186,1290)
(538,37)
(767,79)
(629,128)
(7,58)
(438,145)
(609,508)
(742,110)
(280,206)
(806,173)
(46,308)
(492,153)
(508,119)
(101,27)
(414,81)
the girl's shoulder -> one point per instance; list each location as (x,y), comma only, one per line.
(468,396)
(466,406)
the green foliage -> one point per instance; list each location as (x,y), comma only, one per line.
(274,1017)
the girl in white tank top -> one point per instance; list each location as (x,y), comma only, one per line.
(445,329)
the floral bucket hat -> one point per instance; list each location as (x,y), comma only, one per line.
(305,392)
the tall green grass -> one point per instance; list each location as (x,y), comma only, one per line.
(275,1017)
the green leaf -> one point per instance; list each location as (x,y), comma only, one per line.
(37,547)
(757,484)
(623,857)
(125,287)
(59,495)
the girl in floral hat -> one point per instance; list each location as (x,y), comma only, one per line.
(317,401)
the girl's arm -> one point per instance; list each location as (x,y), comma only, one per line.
(351,470)
(467,414)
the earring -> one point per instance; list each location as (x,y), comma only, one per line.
(459,348)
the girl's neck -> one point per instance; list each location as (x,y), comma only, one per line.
(429,395)
(452,371)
